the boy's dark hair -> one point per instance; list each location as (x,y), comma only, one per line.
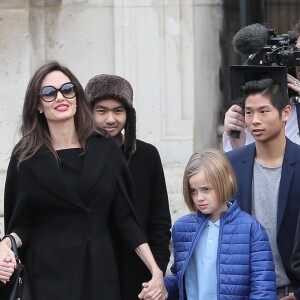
(268,88)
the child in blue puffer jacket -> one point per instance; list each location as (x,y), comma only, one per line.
(220,252)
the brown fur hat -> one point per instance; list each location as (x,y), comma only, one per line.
(105,86)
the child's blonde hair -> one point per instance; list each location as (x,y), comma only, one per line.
(218,172)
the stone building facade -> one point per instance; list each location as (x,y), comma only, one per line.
(168,49)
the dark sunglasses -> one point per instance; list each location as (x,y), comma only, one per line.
(49,93)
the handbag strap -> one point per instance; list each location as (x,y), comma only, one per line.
(14,247)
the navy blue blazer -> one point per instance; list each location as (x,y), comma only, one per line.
(242,160)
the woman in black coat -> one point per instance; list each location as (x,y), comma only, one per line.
(64,185)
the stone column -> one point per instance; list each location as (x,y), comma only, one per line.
(15,62)
(208,16)
(158,45)
(154,50)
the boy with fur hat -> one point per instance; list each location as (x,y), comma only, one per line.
(111,98)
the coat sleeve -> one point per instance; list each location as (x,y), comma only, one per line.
(262,269)
(10,191)
(171,281)
(18,215)
(159,218)
(124,216)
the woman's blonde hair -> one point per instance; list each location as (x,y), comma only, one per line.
(218,172)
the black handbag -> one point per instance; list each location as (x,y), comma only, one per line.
(17,288)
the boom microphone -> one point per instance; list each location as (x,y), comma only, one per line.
(250,39)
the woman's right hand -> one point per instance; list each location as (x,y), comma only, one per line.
(6,270)
(7,261)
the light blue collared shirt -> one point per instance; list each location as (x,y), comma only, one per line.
(201,272)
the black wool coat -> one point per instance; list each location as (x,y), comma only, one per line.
(67,247)
(152,206)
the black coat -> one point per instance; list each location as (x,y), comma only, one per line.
(152,207)
(67,246)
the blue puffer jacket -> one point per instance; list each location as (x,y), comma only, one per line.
(245,267)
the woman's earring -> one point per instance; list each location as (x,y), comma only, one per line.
(40,111)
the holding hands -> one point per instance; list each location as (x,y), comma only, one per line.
(153,292)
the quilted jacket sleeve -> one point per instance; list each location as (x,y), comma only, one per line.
(172,287)
(183,233)
(171,281)
(262,270)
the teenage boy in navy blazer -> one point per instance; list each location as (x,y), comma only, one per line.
(268,173)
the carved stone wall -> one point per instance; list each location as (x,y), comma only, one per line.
(168,49)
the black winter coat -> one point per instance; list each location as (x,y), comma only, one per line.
(67,247)
(152,206)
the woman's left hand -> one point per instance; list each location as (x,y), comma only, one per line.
(154,289)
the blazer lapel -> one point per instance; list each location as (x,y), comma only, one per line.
(46,169)
(285,180)
(247,176)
